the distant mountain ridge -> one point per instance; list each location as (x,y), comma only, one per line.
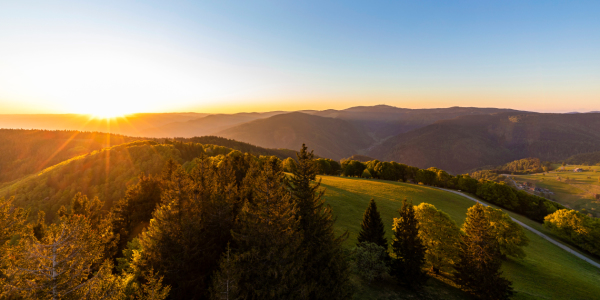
(206,125)
(468,142)
(370,125)
(457,139)
(329,137)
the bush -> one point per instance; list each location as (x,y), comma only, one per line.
(366,174)
(370,261)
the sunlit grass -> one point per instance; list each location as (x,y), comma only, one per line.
(547,272)
(577,193)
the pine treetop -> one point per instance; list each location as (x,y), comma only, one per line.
(372,228)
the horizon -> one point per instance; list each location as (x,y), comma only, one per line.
(118,58)
(92,116)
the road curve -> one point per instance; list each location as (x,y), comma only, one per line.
(549,239)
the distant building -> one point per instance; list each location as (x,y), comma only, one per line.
(578,170)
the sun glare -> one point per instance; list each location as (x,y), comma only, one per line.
(107,112)
(106,115)
(103,108)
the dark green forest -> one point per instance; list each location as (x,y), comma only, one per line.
(587,159)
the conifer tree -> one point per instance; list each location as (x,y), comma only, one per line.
(325,269)
(190,229)
(266,263)
(225,281)
(478,269)
(372,229)
(407,265)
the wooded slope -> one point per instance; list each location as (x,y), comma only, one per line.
(470,142)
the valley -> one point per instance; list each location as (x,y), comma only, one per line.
(576,190)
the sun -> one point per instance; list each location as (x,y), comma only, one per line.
(107,115)
(104,110)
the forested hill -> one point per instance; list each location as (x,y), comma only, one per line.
(104,173)
(470,142)
(590,159)
(331,138)
(383,121)
(241,146)
(24,152)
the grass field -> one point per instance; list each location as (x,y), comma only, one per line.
(547,272)
(574,190)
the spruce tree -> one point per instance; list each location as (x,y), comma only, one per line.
(478,268)
(267,261)
(325,270)
(372,229)
(407,266)
(191,228)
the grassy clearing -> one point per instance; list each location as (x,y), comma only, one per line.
(577,192)
(547,272)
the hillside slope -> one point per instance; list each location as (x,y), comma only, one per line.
(547,272)
(330,138)
(207,125)
(469,142)
(240,146)
(104,173)
(24,152)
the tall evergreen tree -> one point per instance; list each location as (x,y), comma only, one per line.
(325,270)
(372,229)
(191,228)
(136,207)
(408,248)
(266,263)
(478,269)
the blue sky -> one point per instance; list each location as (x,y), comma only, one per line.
(230,56)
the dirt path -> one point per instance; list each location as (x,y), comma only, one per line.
(549,239)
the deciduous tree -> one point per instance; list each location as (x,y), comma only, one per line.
(440,235)
(510,236)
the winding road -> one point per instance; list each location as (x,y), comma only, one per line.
(549,239)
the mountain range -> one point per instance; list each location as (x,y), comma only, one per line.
(456,139)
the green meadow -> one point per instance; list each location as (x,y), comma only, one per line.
(547,272)
(574,190)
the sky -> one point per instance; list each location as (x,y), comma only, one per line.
(117,57)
